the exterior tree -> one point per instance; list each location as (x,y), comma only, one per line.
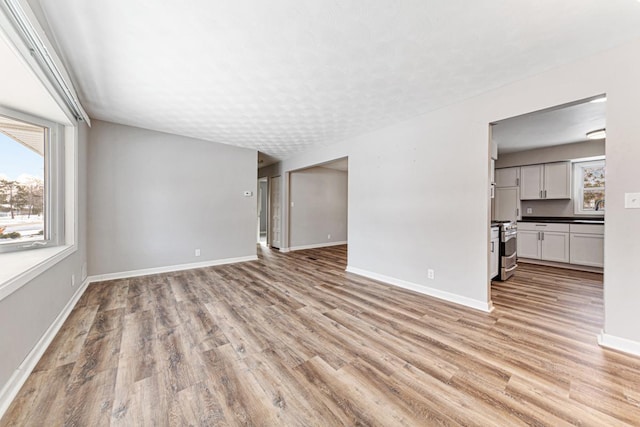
(7,195)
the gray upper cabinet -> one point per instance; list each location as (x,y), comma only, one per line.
(546,181)
(507,177)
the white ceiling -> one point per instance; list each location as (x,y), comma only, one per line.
(282,76)
(564,125)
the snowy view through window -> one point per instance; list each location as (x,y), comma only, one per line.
(22,189)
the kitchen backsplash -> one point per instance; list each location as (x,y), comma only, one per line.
(555,208)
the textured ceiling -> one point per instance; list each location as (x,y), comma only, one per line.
(557,126)
(281,76)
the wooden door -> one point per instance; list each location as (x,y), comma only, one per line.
(555,246)
(531,182)
(508,177)
(528,244)
(507,204)
(557,180)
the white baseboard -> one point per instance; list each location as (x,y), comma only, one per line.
(447,296)
(620,344)
(20,375)
(168,269)
(317,245)
(566,266)
(284,250)
(17,380)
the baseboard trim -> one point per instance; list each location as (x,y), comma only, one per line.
(168,269)
(20,375)
(436,293)
(284,250)
(575,267)
(317,245)
(619,344)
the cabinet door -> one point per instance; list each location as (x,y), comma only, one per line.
(531,182)
(528,244)
(495,249)
(587,249)
(557,180)
(555,246)
(507,177)
(507,204)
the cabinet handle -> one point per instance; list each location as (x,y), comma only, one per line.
(492,248)
(545,194)
(517,181)
(541,194)
(542,232)
(538,235)
(517,212)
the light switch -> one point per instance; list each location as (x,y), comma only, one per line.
(632,200)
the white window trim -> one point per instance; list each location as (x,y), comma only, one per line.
(19,268)
(54,183)
(577,188)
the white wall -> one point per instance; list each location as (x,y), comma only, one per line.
(555,153)
(418,191)
(154,198)
(26,314)
(319,196)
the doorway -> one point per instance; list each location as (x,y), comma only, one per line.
(318,205)
(263,203)
(275,213)
(548,177)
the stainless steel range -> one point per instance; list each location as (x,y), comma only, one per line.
(508,245)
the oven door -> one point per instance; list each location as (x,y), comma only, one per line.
(508,243)
(507,266)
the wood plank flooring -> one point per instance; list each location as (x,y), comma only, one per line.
(293,340)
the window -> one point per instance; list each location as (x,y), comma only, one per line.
(29,191)
(589,189)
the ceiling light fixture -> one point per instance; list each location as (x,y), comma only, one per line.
(597,134)
(598,100)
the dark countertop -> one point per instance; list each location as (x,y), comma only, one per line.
(563,220)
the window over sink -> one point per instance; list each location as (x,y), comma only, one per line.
(589,189)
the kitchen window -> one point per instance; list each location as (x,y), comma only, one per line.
(30,192)
(589,195)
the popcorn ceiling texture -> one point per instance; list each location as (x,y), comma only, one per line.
(282,76)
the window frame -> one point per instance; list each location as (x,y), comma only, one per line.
(578,193)
(54,167)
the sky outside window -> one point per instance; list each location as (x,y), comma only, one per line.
(17,160)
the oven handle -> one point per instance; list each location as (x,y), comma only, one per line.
(508,237)
(511,269)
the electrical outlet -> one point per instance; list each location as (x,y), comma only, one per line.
(328,236)
(197,252)
(529,210)
(73,280)
(632,200)
(431,274)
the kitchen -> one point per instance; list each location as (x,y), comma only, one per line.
(547,189)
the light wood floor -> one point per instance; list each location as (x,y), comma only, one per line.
(294,340)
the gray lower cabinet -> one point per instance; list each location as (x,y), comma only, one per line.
(543,241)
(587,245)
(495,252)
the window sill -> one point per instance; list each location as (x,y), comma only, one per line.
(19,268)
